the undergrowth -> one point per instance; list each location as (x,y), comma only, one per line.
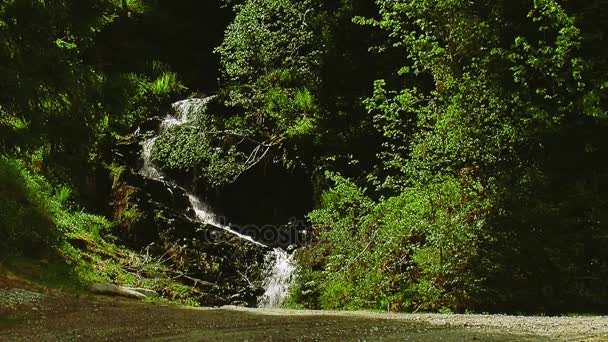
(46,240)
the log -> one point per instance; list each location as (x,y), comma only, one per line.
(146,292)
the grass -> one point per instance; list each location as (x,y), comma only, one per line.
(73,249)
(84,260)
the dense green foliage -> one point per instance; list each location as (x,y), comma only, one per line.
(196,149)
(39,221)
(271,57)
(25,216)
(62,111)
(486,192)
(288,78)
(490,171)
(456,150)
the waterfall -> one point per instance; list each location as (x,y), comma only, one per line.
(279,269)
(183,114)
(205,215)
(278,279)
(148,170)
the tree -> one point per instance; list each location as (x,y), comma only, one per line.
(474,155)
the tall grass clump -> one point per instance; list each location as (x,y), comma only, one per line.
(26,220)
(35,216)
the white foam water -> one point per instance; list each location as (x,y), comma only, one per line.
(185,111)
(148,169)
(278,280)
(205,215)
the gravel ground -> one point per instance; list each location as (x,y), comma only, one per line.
(56,317)
(11,298)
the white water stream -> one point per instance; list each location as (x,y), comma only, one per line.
(278,279)
(279,267)
(148,170)
(204,214)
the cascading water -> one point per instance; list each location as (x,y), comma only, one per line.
(148,170)
(279,263)
(278,278)
(204,214)
(184,111)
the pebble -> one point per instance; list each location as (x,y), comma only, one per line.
(11,298)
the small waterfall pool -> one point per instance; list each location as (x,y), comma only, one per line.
(278,266)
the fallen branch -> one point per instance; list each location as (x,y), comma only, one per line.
(111,289)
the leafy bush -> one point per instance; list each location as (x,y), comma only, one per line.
(193,149)
(476,202)
(415,251)
(271,58)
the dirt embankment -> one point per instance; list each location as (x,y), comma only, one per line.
(31,314)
